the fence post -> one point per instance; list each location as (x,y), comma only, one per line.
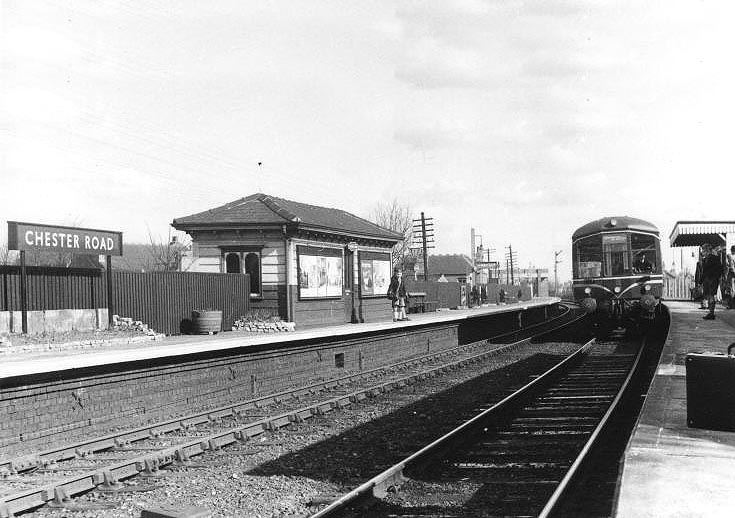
(109,290)
(23,292)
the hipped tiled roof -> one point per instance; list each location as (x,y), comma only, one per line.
(262,209)
(450,264)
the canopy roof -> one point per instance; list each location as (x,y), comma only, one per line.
(697,233)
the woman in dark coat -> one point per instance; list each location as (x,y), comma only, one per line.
(398,295)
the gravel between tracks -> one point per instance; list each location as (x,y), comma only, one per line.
(279,474)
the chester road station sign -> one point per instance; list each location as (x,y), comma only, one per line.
(46,238)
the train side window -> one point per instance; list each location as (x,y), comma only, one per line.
(616,254)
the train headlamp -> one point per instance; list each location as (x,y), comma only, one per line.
(647,287)
(588,290)
(617,289)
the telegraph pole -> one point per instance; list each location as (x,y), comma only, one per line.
(425,226)
(509,259)
(473,253)
(556,263)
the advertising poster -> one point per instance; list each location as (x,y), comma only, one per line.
(333,276)
(381,276)
(320,275)
(366,274)
(374,274)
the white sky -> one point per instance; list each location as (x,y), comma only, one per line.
(524,120)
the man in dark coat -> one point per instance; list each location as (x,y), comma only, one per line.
(711,272)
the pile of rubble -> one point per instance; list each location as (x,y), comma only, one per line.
(128,324)
(261,326)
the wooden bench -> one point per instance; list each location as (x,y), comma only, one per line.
(417,302)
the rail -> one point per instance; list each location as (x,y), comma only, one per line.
(110,475)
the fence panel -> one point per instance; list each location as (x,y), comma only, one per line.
(678,287)
(447,294)
(52,288)
(165,300)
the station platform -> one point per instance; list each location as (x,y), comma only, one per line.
(30,363)
(671,470)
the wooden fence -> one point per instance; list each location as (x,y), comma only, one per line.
(446,294)
(163,300)
(678,287)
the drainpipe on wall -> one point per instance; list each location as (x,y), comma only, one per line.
(286,250)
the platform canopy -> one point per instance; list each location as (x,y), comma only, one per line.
(697,233)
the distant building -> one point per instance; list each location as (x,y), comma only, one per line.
(308,264)
(448,268)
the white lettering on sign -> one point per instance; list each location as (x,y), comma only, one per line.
(84,242)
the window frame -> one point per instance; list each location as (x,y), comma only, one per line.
(242,252)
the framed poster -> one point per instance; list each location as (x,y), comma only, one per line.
(374,274)
(319,272)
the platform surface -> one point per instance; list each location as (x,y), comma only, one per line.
(21,364)
(671,470)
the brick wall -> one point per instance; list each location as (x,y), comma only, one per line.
(73,402)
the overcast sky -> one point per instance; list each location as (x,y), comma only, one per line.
(522,119)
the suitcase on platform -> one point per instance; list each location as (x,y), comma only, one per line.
(711,390)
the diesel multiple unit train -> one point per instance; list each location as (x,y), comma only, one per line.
(616,271)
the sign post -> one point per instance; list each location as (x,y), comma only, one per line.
(51,238)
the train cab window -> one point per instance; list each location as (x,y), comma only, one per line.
(644,251)
(588,255)
(616,256)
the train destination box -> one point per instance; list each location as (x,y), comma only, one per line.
(48,238)
(710,382)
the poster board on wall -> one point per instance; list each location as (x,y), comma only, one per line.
(374,274)
(320,272)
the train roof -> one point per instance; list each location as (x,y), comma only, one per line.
(613,223)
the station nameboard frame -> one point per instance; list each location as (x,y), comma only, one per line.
(54,238)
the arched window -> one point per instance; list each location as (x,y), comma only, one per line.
(232,263)
(252,267)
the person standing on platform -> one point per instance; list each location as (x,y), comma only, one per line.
(398,295)
(730,277)
(698,290)
(711,273)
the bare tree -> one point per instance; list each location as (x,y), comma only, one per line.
(396,216)
(166,256)
(6,256)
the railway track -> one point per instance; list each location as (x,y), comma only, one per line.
(516,458)
(132,459)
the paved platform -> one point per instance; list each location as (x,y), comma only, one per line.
(21,364)
(671,470)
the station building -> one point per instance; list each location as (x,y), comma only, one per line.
(308,264)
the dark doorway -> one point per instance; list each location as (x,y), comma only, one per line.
(252,267)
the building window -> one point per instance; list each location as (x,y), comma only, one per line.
(252,268)
(232,263)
